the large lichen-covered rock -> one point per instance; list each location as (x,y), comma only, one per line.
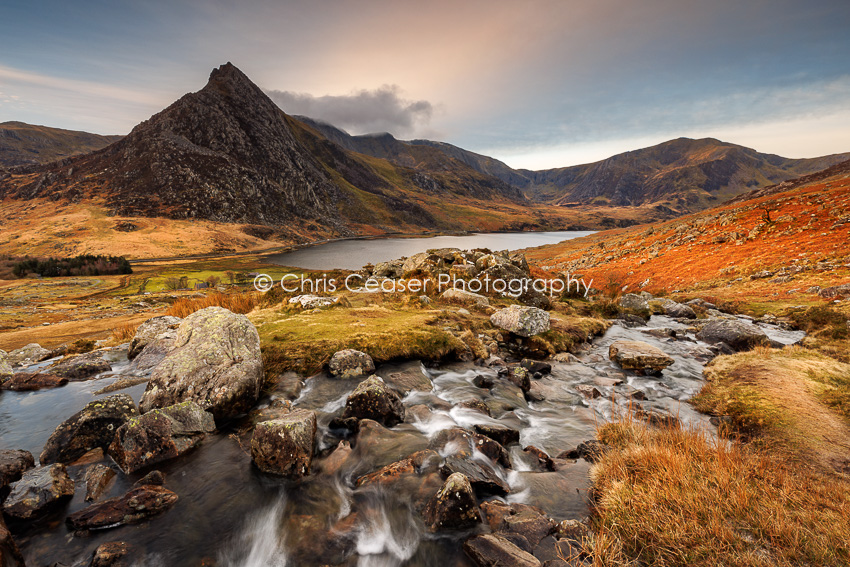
(493,550)
(29,354)
(350,363)
(465,297)
(38,491)
(152,329)
(454,507)
(634,303)
(521,320)
(285,446)
(159,435)
(738,335)
(215,362)
(13,463)
(91,427)
(373,399)
(135,506)
(640,357)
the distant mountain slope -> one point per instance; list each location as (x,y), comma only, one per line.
(24,144)
(685,175)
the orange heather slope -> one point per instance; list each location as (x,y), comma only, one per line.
(780,243)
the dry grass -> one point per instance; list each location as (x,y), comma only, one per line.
(123,333)
(235,302)
(678,497)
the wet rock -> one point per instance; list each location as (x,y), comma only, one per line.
(542,459)
(483,479)
(215,362)
(10,555)
(27,355)
(38,491)
(520,377)
(484,382)
(122,383)
(575,530)
(285,446)
(634,303)
(30,381)
(150,331)
(373,399)
(588,391)
(160,435)
(536,366)
(737,335)
(97,479)
(566,357)
(521,320)
(81,367)
(134,507)
(153,478)
(461,442)
(418,463)
(338,460)
(640,357)
(630,392)
(530,524)
(661,333)
(465,297)
(350,363)
(493,550)
(13,464)
(93,426)
(476,405)
(453,507)
(500,433)
(679,311)
(408,381)
(607,381)
(111,554)
(275,410)
(591,451)
(495,511)
(320,544)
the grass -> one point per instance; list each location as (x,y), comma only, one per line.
(235,302)
(679,497)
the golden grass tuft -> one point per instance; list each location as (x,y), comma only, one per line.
(235,302)
(123,333)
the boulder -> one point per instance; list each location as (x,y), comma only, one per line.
(134,507)
(392,270)
(13,464)
(541,458)
(679,311)
(159,435)
(409,380)
(536,366)
(529,523)
(31,381)
(494,550)
(81,367)
(5,367)
(98,477)
(93,426)
(310,301)
(421,263)
(835,291)
(10,555)
(38,491)
(285,446)
(736,334)
(418,463)
(482,478)
(453,507)
(350,363)
(152,330)
(520,377)
(215,362)
(640,357)
(500,433)
(465,297)
(111,554)
(521,320)
(27,355)
(591,451)
(154,352)
(462,441)
(373,399)
(634,303)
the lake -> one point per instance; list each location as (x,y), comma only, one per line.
(354,254)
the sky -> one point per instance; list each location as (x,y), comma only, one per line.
(537,83)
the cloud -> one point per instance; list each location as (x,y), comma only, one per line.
(380,110)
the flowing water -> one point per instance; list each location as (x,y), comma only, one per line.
(355,253)
(231,515)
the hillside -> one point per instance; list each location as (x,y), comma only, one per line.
(26,144)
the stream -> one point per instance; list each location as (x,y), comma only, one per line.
(231,515)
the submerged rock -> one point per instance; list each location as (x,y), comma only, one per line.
(38,491)
(152,330)
(521,320)
(639,357)
(215,362)
(31,381)
(350,363)
(492,550)
(111,554)
(482,478)
(13,464)
(736,334)
(504,435)
(10,555)
(136,506)
(453,507)
(93,426)
(160,435)
(285,446)
(373,399)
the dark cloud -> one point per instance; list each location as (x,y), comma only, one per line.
(366,111)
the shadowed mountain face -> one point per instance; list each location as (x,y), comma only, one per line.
(26,144)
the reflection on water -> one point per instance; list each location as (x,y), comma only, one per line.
(354,254)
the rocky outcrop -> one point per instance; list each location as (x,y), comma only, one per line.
(39,491)
(737,335)
(350,363)
(81,367)
(835,291)
(453,507)
(31,381)
(13,464)
(678,311)
(521,320)
(134,507)
(155,329)
(215,362)
(493,550)
(639,357)
(285,446)
(29,354)
(159,435)
(465,297)
(373,399)
(93,426)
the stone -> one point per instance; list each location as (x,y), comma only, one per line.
(111,554)
(482,478)
(418,463)
(634,303)
(421,264)
(640,357)
(93,426)
(542,459)
(464,297)
(215,362)
(350,363)
(285,446)
(679,311)
(536,366)
(373,399)
(153,478)
(463,441)
(150,331)
(737,335)
(134,507)
(81,367)
(160,435)
(13,464)
(38,492)
(530,524)
(31,381)
(10,555)
(476,405)
(835,291)
(309,301)
(453,507)
(27,355)
(494,550)
(591,451)
(409,380)
(630,392)
(98,477)
(499,433)
(520,377)
(588,391)
(521,320)
(392,270)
